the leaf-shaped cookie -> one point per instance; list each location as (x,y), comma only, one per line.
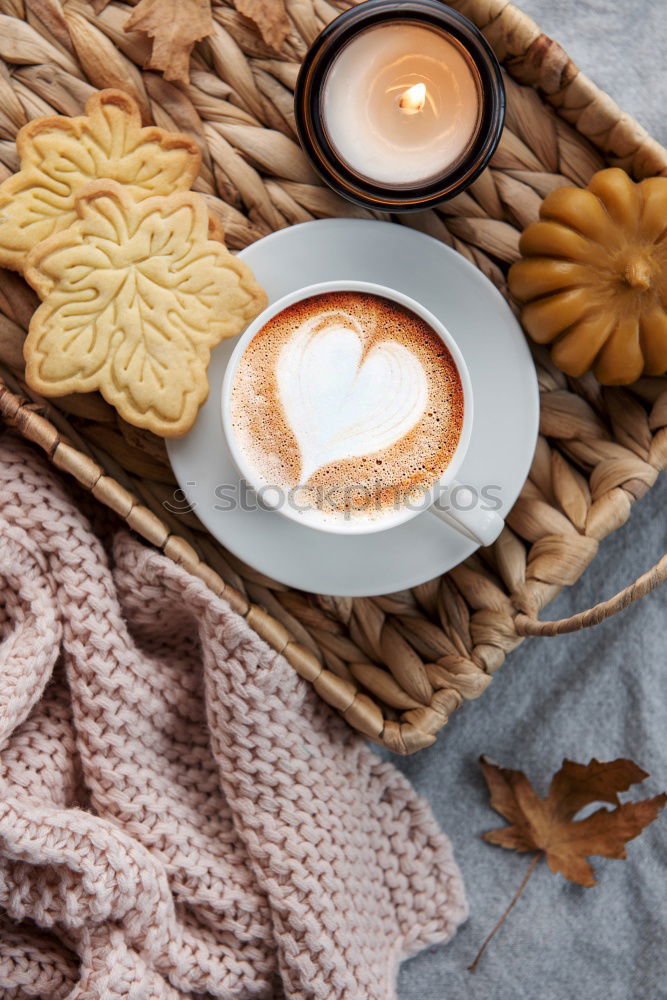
(135,296)
(59,155)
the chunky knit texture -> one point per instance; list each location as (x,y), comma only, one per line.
(180,814)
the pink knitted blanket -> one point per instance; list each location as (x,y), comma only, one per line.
(180,814)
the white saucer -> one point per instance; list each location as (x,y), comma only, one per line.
(504,389)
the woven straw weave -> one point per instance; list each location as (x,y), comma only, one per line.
(396,666)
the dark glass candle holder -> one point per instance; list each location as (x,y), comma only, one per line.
(456,176)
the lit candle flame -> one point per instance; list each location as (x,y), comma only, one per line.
(413,99)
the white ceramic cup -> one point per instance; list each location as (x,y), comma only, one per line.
(460,505)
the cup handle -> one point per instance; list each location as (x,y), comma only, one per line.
(483,526)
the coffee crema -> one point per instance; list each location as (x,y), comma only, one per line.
(349,402)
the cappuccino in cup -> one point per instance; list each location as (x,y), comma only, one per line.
(346,406)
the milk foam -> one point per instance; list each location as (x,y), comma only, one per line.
(349,403)
(339,403)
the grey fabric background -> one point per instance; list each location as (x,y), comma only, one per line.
(600,693)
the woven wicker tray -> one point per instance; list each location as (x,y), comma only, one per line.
(396,666)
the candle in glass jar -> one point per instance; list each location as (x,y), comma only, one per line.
(400,103)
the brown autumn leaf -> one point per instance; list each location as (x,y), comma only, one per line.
(547,824)
(271,19)
(174,26)
(547,828)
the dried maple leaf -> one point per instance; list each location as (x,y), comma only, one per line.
(547,825)
(174,26)
(59,155)
(135,297)
(271,19)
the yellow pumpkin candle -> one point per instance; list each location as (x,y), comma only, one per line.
(593,281)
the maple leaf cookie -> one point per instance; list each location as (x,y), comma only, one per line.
(59,155)
(135,296)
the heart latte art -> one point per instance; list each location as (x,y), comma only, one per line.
(341,402)
(348,400)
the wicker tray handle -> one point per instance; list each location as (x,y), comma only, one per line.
(525,625)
